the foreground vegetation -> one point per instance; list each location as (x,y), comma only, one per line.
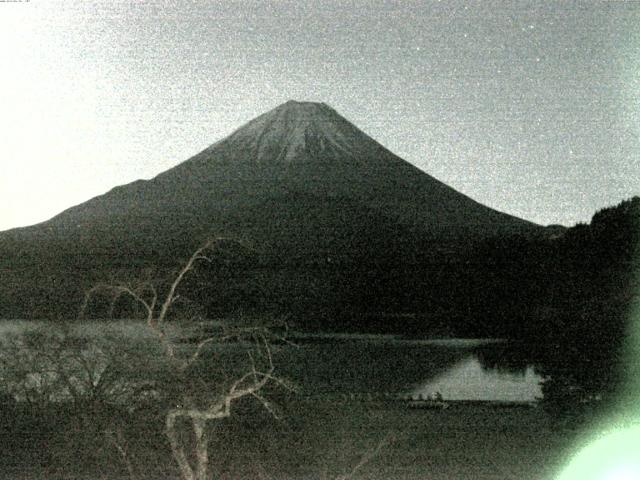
(315,438)
(114,425)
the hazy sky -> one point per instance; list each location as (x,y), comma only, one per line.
(532,108)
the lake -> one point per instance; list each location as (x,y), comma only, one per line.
(329,364)
(460,369)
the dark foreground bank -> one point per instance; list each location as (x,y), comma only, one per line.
(315,437)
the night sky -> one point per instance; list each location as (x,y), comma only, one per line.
(532,108)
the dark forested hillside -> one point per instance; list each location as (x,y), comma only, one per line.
(580,279)
(572,295)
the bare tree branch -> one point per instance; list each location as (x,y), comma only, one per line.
(367,457)
(196,354)
(171,296)
(197,414)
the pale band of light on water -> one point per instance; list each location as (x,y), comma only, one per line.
(467,380)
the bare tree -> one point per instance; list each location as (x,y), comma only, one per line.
(197,402)
(45,365)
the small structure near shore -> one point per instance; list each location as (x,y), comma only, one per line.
(430,404)
(436,401)
(432,401)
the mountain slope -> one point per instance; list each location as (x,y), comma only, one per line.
(298,148)
(300,183)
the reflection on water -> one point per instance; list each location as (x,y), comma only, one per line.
(460,369)
(468,380)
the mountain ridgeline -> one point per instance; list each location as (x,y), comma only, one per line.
(336,231)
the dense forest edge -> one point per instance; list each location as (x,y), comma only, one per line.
(571,301)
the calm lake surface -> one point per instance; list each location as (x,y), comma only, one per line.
(459,369)
(319,364)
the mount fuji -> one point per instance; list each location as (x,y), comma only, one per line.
(326,208)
